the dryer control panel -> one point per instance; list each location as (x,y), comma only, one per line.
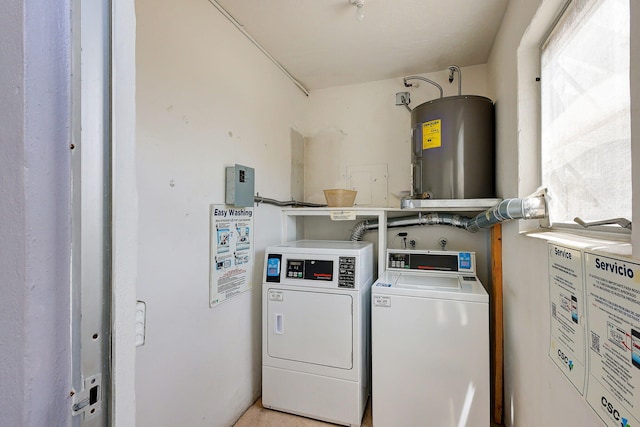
(320,264)
(313,269)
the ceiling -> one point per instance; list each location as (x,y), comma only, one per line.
(322,44)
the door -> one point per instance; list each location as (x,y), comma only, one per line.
(310,327)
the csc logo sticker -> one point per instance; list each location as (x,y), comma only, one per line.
(614,412)
(565,359)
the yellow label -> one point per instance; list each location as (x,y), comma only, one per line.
(431,134)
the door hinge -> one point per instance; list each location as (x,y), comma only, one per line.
(89,400)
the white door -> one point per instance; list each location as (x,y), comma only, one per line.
(310,327)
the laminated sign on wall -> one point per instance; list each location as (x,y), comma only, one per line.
(595,329)
(566,291)
(231,254)
(613,298)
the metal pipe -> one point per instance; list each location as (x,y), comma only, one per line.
(452,69)
(259,199)
(425,80)
(244,32)
(532,207)
(622,222)
(431,218)
(405,102)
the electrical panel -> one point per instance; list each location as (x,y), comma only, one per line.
(240,186)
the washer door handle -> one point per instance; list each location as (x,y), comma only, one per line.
(279,324)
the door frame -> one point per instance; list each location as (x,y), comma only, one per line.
(104,77)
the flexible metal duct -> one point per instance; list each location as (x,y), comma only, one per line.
(532,207)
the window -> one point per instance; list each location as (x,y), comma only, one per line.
(585,113)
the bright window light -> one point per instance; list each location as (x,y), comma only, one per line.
(585,115)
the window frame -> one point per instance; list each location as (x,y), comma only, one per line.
(529,120)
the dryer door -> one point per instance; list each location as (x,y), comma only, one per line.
(310,327)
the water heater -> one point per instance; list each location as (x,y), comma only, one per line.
(453,148)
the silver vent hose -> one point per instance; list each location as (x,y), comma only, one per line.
(532,207)
(528,208)
(360,229)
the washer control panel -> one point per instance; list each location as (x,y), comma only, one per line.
(416,260)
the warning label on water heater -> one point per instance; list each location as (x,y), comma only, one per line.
(431,134)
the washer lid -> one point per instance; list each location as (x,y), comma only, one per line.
(441,286)
(431,281)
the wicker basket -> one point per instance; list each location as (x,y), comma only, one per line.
(340,198)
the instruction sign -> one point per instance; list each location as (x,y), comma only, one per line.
(613,305)
(566,293)
(231,254)
(431,134)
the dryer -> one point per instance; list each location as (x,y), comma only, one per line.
(430,341)
(315,339)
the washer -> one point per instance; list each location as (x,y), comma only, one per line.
(315,340)
(430,341)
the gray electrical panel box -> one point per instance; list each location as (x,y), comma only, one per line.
(240,186)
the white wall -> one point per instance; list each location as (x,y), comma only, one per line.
(12,205)
(536,392)
(206,99)
(34,213)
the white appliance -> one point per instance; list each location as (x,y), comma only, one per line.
(315,339)
(430,341)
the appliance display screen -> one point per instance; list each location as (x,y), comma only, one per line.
(273,267)
(418,261)
(433,262)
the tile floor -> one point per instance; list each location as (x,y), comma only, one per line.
(258,416)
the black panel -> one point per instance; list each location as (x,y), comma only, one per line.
(318,270)
(433,262)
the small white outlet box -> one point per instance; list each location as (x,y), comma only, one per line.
(141,322)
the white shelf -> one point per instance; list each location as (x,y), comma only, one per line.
(449,205)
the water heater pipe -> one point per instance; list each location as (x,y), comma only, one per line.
(452,69)
(423,79)
(531,207)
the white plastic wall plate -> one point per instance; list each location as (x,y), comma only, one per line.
(141,322)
